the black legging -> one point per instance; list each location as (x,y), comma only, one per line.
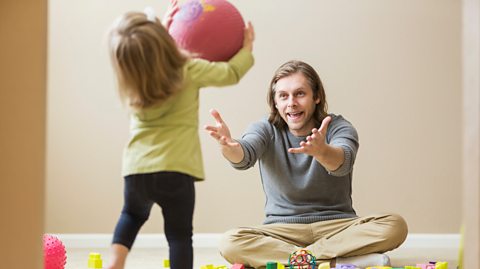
(175,194)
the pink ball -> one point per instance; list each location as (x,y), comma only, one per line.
(210,29)
(54,254)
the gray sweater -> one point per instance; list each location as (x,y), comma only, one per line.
(299,189)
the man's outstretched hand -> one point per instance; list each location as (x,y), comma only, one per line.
(315,143)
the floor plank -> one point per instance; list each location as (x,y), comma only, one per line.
(152,258)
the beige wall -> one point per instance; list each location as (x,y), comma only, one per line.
(23,47)
(391,67)
(471,133)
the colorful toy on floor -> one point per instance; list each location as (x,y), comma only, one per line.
(211,266)
(302,259)
(207,266)
(95,260)
(211,29)
(430,265)
(166,263)
(238,266)
(54,254)
(441,265)
(271,265)
(275,265)
(324,265)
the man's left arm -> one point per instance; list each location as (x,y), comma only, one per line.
(330,157)
(338,156)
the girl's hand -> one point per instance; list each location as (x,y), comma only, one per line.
(171,11)
(248,36)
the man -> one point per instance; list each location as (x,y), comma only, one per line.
(307,177)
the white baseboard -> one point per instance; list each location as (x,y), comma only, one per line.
(211,240)
(432,241)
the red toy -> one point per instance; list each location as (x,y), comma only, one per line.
(238,266)
(209,29)
(54,254)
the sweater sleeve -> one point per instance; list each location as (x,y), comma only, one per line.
(254,142)
(205,73)
(341,133)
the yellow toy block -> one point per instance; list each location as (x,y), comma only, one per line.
(441,265)
(324,265)
(221,267)
(94,260)
(281,266)
(207,266)
(166,263)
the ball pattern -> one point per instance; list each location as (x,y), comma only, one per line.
(209,29)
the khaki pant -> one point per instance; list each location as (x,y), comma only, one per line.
(255,246)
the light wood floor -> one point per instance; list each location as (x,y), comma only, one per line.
(152,258)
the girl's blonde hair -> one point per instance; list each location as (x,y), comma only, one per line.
(146,60)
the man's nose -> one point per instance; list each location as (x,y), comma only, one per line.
(292,101)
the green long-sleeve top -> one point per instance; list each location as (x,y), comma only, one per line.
(165,137)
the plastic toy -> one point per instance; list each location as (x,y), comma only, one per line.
(276,265)
(441,265)
(430,265)
(271,265)
(166,263)
(238,266)
(209,29)
(208,266)
(54,254)
(211,266)
(301,259)
(95,260)
(345,266)
(324,265)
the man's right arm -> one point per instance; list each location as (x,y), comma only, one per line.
(233,154)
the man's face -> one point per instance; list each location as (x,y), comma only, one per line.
(294,101)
